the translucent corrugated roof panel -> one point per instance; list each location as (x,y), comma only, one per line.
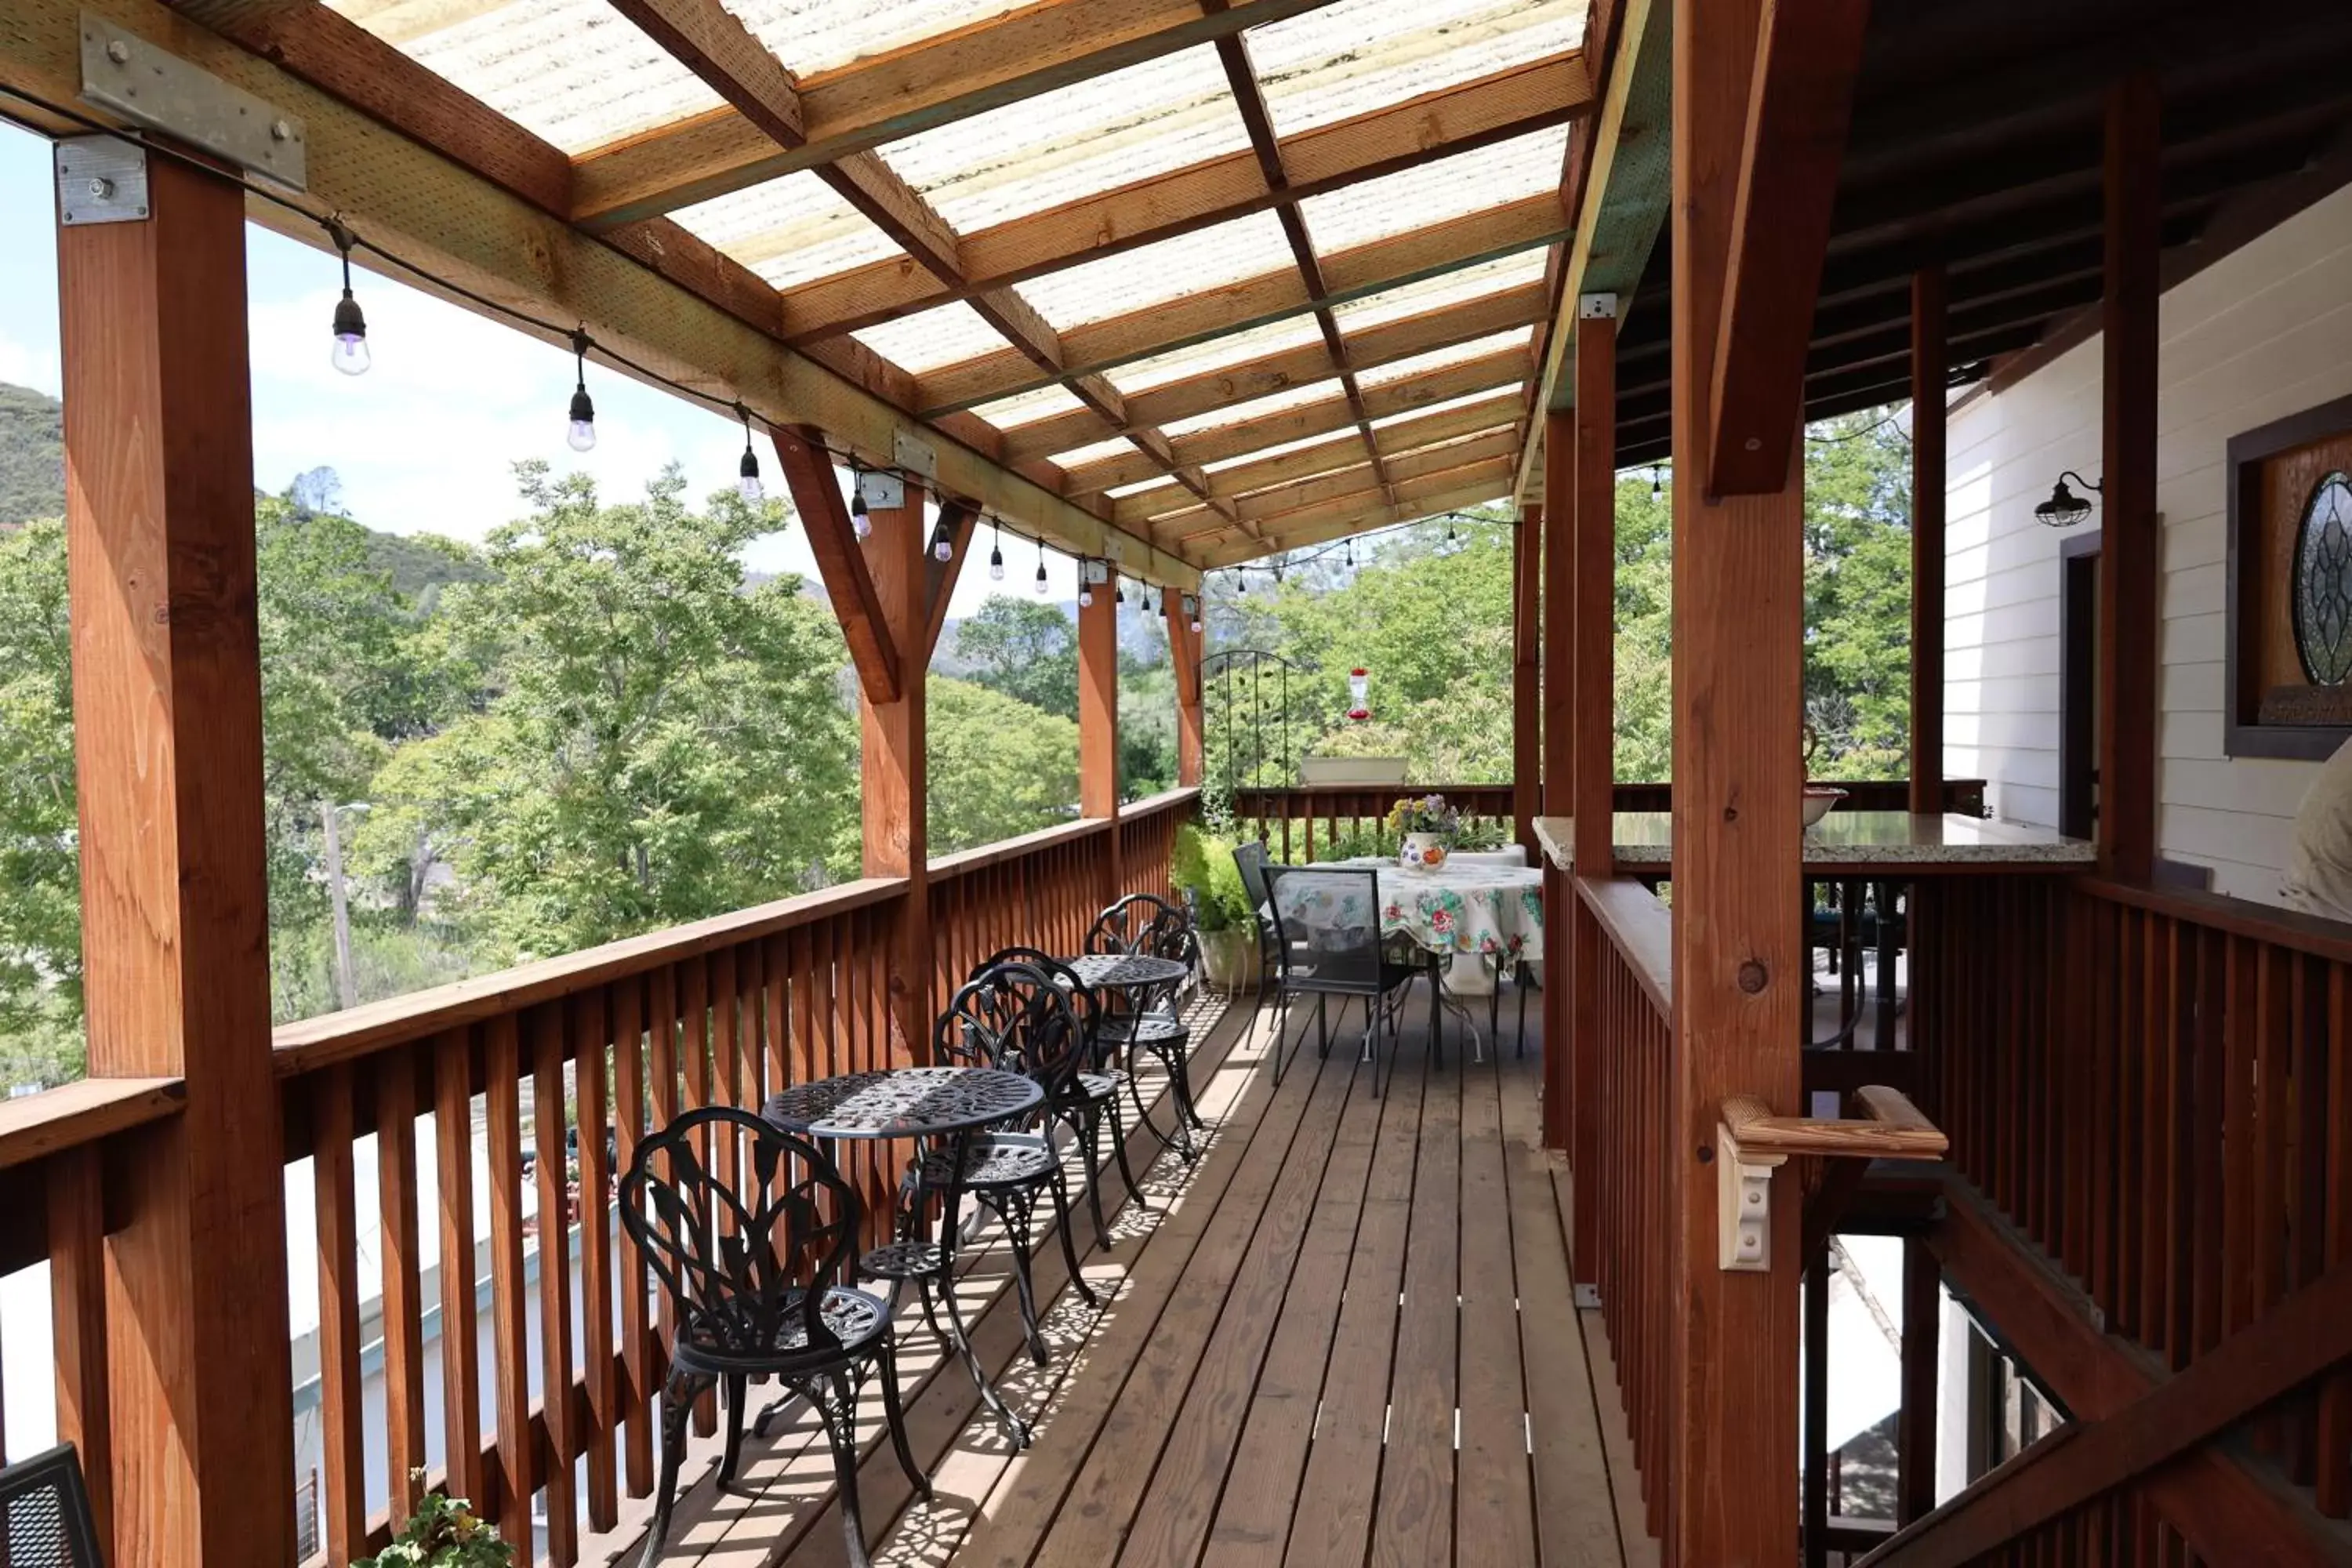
(1344,442)
(945,334)
(1217,353)
(1155,274)
(1364,55)
(1028,407)
(1438,359)
(1437,293)
(1093,452)
(789,230)
(812,36)
(1120,492)
(1255,408)
(1507,409)
(1436,192)
(572,71)
(1076,142)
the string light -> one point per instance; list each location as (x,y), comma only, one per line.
(746,483)
(1655,487)
(1118,591)
(1192,603)
(942,541)
(860,523)
(1041,568)
(996,553)
(1086,585)
(350,352)
(582,433)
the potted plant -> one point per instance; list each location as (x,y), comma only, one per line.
(1204,869)
(1428,825)
(444,1532)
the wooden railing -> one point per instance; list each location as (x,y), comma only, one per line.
(2149,1099)
(1299,819)
(1634,1175)
(627,1036)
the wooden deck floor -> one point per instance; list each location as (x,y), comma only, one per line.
(1343,1337)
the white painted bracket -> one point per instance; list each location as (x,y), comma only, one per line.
(1743,1200)
(1596,307)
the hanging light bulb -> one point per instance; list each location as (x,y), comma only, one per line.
(1041,568)
(582,433)
(1351,552)
(1118,592)
(1451,538)
(1241,584)
(1085,586)
(942,541)
(1655,487)
(748,484)
(860,523)
(350,352)
(996,555)
(1192,603)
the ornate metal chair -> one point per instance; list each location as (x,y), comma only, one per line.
(1329,919)
(1142,925)
(754,1274)
(44,1517)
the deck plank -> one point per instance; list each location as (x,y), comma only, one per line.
(1172,1526)
(1045,1486)
(1494,1500)
(1576,1512)
(1412,1519)
(1252,1525)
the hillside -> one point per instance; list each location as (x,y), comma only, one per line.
(32,456)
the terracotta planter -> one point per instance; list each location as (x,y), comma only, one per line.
(1230,959)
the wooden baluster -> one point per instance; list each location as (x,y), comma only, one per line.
(590,1038)
(77,1216)
(776,1021)
(2332,1483)
(461,1377)
(2213,1076)
(725,1089)
(555,1379)
(694,1058)
(343,1500)
(629,1121)
(2307,1254)
(403,1289)
(509,1344)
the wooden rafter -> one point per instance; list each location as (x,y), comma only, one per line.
(1356,481)
(1297,533)
(1484,236)
(1402,136)
(934,83)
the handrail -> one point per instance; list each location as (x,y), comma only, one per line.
(2312,934)
(1895,1129)
(1167,799)
(1642,928)
(331,1037)
(1004,849)
(39,1125)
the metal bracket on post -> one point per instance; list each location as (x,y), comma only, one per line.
(1587,1298)
(1596,307)
(123,72)
(101,179)
(1743,1204)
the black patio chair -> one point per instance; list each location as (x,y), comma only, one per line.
(44,1517)
(1154,928)
(1340,955)
(758,1293)
(1012,1018)
(1251,858)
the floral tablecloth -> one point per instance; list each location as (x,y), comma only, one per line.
(1494,912)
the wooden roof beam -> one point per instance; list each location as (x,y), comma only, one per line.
(1415,505)
(1282,524)
(1214,314)
(1806,62)
(1436,125)
(930,83)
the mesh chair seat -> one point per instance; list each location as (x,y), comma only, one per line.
(718,1340)
(905,1260)
(47,1510)
(1153,1029)
(999,1159)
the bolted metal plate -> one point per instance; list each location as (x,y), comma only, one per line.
(125,73)
(101,179)
(884,491)
(914,455)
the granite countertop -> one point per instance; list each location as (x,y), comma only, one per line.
(1853,840)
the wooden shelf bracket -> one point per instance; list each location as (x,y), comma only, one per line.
(1751,1143)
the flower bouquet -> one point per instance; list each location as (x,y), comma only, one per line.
(1428,825)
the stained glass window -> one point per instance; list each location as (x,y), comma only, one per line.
(2322,583)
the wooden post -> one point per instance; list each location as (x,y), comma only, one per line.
(2130,541)
(1592,685)
(1739,961)
(1569,971)
(1184,653)
(1526,677)
(175,907)
(894,780)
(1099,719)
(1915,1425)
(1930,364)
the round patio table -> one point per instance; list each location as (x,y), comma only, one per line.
(947,1105)
(1139,975)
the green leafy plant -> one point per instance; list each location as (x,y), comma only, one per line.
(1203,866)
(444,1532)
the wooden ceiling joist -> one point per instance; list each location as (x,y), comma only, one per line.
(935,82)
(1491,484)
(461,190)
(1359,482)
(1437,125)
(1195,319)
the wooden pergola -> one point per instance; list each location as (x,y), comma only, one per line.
(1174,285)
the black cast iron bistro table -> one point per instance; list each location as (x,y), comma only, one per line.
(1138,974)
(944,1104)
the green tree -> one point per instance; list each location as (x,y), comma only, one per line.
(40,917)
(998,766)
(1024,648)
(654,741)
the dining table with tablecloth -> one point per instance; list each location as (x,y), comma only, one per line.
(1479,912)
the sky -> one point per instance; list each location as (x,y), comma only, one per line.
(426,441)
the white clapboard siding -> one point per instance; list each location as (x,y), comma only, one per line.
(2259,335)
